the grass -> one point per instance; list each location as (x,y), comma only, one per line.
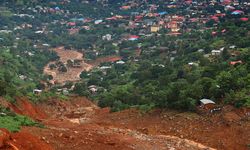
(13,122)
(44,96)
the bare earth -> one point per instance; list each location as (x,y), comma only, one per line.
(73,74)
(79,124)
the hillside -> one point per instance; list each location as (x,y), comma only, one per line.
(124,74)
(80,124)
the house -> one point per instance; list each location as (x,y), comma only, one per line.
(120,62)
(98,21)
(133,37)
(216,52)
(39,32)
(201,50)
(244,19)
(154,28)
(237,12)
(107,37)
(173,25)
(22,77)
(193,64)
(37,91)
(105,67)
(93,89)
(235,62)
(232,47)
(71,24)
(207,104)
(125,7)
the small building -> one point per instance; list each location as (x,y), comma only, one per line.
(235,62)
(37,91)
(216,52)
(120,62)
(154,29)
(107,37)
(93,89)
(133,37)
(207,104)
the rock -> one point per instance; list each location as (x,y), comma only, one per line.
(71,137)
(43,138)
(60,135)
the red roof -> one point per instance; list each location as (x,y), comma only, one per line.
(193,19)
(133,36)
(235,62)
(71,23)
(214,33)
(220,15)
(244,19)
(238,11)
(215,18)
(139,17)
(112,18)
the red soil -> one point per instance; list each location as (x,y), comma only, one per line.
(24,141)
(100,60)
(79,124)
(73,74)
(24,107)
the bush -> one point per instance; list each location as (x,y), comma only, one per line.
(13,122)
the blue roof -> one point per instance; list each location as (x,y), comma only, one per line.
(235,13)
(80,19)
(163,13)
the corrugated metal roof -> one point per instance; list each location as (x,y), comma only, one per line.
(207,101)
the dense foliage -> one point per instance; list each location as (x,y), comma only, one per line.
(170,72)
(158,82)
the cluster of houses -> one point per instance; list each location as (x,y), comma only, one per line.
(140,19)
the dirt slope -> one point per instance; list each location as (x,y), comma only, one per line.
(79,124)
(73,74)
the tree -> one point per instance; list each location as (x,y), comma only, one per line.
(81,89)
(2,88)
(84,74)
(62,68)
(225,81)
(52,66)
(225,54)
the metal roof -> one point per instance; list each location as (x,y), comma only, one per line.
(207,101)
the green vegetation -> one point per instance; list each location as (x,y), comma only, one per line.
(13,122)
(159,82)
(170,72)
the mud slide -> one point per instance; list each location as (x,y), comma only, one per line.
(79,124)
(73,74)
